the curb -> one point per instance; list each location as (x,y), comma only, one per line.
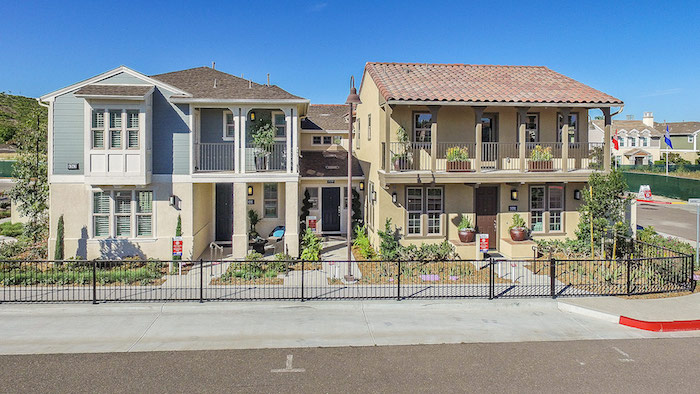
(655,326)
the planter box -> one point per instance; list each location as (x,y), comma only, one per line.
(540,166)
(459,166)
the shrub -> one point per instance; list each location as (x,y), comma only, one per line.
(518,222)
(59,240)
(541,154)
(10,229)
(311,246)
(389,242)
(362,244)
(428,252)
(253,220)
(465,223)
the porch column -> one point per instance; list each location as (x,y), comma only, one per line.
(606,138)
(478,113)
(242,140)
(565,139)
(295,140)
(291,218)
(433,134)
(386,125)
(288,112)
(240,222)
(522,124)
(236,112)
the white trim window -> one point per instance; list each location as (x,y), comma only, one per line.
(644,141)
(369,127)
(132,129)
(414,208)
(280,123)
(633,142)
(122,213)
(321,140)
(621,140)
(422,122)
(97,128)
(144,213)
(556,206)
(270,200)
(434,209)
(690,139)
(537,204)
(100,214)
(116,213)
(115,129)
(357,134)
(229,123)
(573,127)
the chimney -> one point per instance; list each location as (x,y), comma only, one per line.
(213,65)
(648,119)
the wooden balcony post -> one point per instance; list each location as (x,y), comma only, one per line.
(433,135)
(522,140)
(565,139)
(478,113)
(606,138)
(386,125)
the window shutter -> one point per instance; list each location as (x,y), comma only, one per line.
(98,139)
(132,121)
(116,139)
(133,139)
(98,119)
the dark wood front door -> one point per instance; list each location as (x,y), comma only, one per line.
(330,211)
(224,211)
(486,210)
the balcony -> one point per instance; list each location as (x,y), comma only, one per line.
(272,158)
(504,157)
(218,156)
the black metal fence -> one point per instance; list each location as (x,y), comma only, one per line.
(644,269)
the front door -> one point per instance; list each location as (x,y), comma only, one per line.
(638,161)
(330,209)
(224,211)
(489,139)
(486,210)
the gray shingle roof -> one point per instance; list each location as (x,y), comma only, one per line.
(326,117)
(678,127)
(207,83)
(629,125)
(327,164)
(114,90)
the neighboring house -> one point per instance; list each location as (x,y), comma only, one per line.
(684,138)
(129,153)
(486,112)
(639,141)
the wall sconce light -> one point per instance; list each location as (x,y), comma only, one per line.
(252,116)
(394,197)
(514,194)
(174,202)
(577,194)
(362,186)
(250,190)
(374,196)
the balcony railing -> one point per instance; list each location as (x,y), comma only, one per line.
(495,156)
(273,158)
(215,156)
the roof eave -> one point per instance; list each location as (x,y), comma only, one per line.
(190,100)
(503,103)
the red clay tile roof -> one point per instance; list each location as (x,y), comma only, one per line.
(481,83)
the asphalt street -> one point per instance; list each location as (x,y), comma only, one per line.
(621,366)
(677,220)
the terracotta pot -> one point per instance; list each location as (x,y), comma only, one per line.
(540,166)
(466,235)
(459,166)
(518,233)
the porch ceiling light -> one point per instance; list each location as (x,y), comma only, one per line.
(250,190)
(514,194)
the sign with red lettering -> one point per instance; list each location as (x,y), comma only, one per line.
(177,246)
(483,243)
(311,222)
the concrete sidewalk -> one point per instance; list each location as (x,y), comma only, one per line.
(79,328)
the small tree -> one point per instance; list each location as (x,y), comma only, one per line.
(59,254)
(389,242)
(178,233)
(356,210)
(253,220)
(305,207)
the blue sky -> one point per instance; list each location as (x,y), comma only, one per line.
(642,52)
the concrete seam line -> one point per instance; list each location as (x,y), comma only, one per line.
(147,328)
(609,317)
(371,334)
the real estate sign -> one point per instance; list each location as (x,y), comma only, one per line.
(483,243)
(177,246)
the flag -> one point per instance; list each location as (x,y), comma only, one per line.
(614,141)
(667,138)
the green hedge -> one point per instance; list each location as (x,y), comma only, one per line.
(668,186)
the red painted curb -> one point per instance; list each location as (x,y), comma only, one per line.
(661,326)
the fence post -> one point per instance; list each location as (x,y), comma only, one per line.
(302,280)
(201,281)
(398,286)
(94,282)
(552,277)
(492,282)
(629,276)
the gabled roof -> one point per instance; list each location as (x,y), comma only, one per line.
(327,163)
(679,127)
(481,84)
(637,152)
(326,117)
(208,83)
(96,90)
(628,126)
(96,79)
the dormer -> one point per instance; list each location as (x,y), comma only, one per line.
(117,139)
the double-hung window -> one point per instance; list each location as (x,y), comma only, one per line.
(633,142)
(229,126)
(122,213)
(537,208)
(100,214)
(97,128)
(573,127)
(622,141)
(556,206)
(280,125)
(369,127)
(414,206)
(421,127)
(434,205)
(547,200)
(115,129)
(144,213)
(270,200)
(132,129)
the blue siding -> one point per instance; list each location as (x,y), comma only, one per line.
(212,125)
(68,134)
(171,135)
(123,79)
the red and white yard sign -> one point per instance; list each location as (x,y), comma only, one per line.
(177,246)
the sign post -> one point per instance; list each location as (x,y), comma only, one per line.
(696,202)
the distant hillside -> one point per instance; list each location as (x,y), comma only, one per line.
(17,113)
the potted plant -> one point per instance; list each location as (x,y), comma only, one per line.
(541,159)
(467,232)
(518,230)
(403,160)
(458,159)
(263,141)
